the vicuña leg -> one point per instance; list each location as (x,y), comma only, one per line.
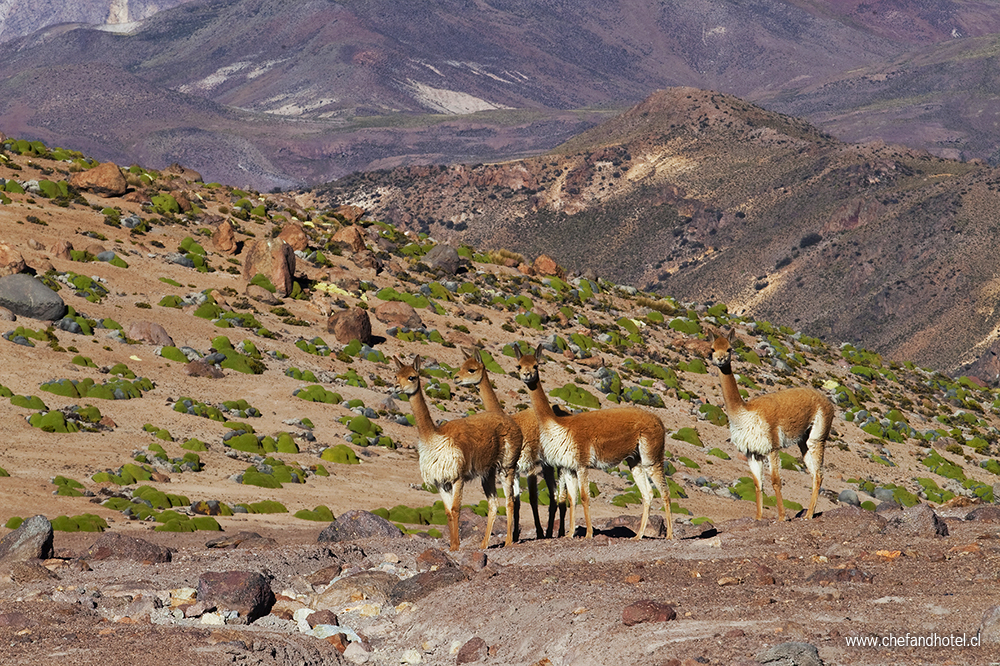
(490,490)
(582,475)
(774,462)
(813,459)
(451,497)
(512,490)
(756,463)
(573,490)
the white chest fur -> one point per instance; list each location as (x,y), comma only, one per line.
(558,446)
(750,433)
(439,460)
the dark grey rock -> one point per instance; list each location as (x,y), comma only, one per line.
(986,513)
(443,257)
(793,653)
(918,520)
(32,540)
(25,296)
(357,524)
(424,583)
(849,496)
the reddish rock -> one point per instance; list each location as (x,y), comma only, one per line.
(246,592)
(105,179)
(224,238)
(116,546)
(325,616)
(647,611)
(433,558)
(474,650)
(525,269)
(183,201)
(367,259)
(11,260)
(135,196)
(397,313)
(338,641)
(546,265)
(294,235)
(153,333)
(350,237)
(199,368)
(272,258)
(94,249)
(350,213)
(349,325)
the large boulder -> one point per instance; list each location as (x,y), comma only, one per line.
(105,179)
(25,296)
(351,238)
(444,258)
(224,238)
(246,592)
(294,235)
(397,313)
(352,324)
(32,540)
(11,260)
(274,258)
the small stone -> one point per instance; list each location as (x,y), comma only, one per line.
(472,651)
(115,546)
(791,654)
(352,324)
(338,641)
(356,653)
(433,558)
(325,616)
(153,333)
(647,611)
(247,592)
(419,586)
(989,628)
(411,657)
(357,524)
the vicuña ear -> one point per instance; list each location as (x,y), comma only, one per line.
(478,356)
(416,363)
(466,353)
(399,364)
(711,336)
(517,351)
(732,335)
(538,352)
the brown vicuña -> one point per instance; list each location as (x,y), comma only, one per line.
(764,425)
(458,451)
(603,438)
(473,373)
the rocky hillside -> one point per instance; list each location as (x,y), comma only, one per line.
(709,198)
(269,93)
(204,375)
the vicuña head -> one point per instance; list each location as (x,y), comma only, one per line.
(603,438)
(759,428)
(458,451)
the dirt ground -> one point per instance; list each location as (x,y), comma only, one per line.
(739,589)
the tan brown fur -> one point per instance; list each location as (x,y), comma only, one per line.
(602,438)
(458,451)
(473,373)
(764,425)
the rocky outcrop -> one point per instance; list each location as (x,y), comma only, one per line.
(11,260)
(352,324)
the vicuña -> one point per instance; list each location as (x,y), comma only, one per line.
(458,451)
(473,373)
(764,425)
(603,438)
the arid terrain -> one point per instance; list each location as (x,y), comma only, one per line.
(736,587)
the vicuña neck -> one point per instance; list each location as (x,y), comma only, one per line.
(422,415)
(488,396)
(540,402)
(730,391)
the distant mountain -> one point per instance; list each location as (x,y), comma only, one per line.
(19,19)
(269,93)
(708,198)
